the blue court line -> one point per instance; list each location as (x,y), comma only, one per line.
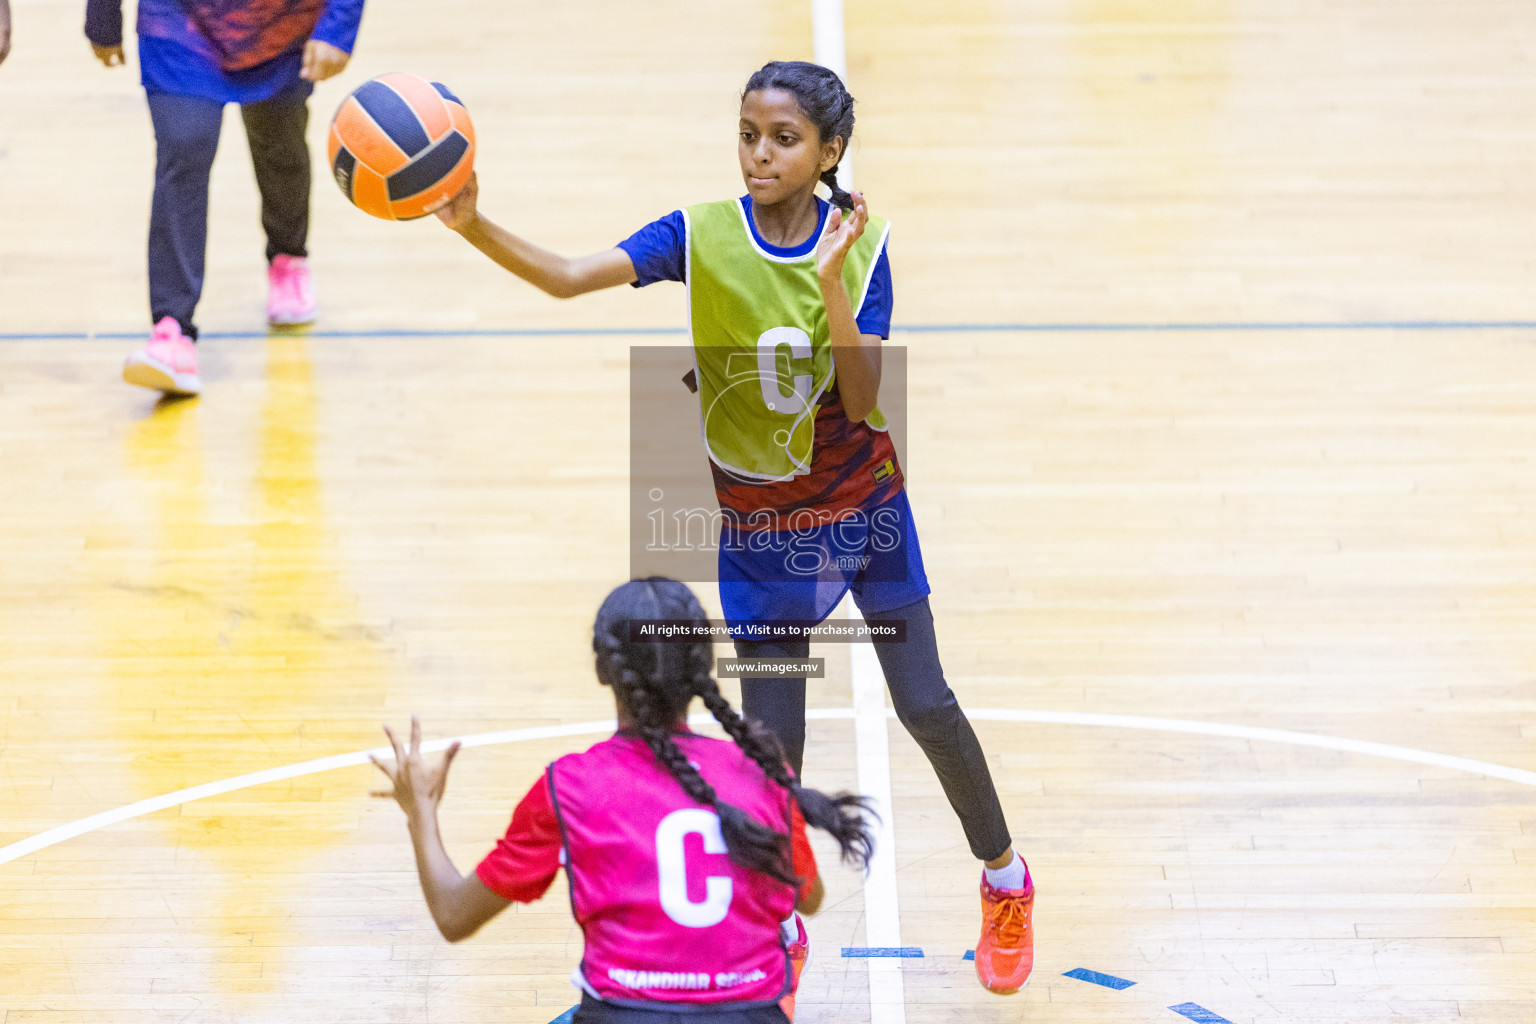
(643,332)
(1095,978)
(509,332)
(902,952)
(1221,325)
(1194,1011)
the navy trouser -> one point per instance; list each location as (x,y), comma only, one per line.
(925,705)
(186,138)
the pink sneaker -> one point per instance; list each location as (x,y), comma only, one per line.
(290,292)
(168,362)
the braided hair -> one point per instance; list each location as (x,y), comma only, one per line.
(823,99)
(655,682)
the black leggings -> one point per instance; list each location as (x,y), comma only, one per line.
(595,1011)
(925,705)
(186,138)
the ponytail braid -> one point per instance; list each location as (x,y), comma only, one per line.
(842,127)
(842,815)
(841,199)
(655,683)
(825,101)
(655,701)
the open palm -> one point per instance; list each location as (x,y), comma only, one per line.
(840,236)
(414,785)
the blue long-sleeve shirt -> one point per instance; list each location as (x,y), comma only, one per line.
(175,56)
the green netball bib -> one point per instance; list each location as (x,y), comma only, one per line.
(762,351)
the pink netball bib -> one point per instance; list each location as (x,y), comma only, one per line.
(667,917)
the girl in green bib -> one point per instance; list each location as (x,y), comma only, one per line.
(789,300)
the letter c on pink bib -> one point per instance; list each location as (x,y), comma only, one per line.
(671,863)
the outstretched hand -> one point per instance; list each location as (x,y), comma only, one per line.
(110,56)
(322,60)
(416,787)
(840,236)
(461,211)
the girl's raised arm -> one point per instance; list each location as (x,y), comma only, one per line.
(857,355)
(460,904)
(563,277)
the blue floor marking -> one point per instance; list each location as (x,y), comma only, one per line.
(1095,978)
(1194,1011)
(1225,325)
(631,332)
(509,332)
(902,952)
(970,954)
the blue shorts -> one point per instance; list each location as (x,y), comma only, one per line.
(802,574)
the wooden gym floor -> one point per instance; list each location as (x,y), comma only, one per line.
(1326,530)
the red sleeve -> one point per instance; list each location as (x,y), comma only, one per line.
(801,856)
(525,861)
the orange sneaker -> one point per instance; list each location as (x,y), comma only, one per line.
(799,953)
(1005,953)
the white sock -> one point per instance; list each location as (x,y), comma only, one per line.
(1013,876)
(790,929)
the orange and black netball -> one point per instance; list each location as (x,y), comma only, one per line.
(401,146)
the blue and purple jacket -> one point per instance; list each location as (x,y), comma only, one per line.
(230,51)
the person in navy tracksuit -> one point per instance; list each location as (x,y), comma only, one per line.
(194,57)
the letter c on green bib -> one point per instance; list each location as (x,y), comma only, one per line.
(762,350)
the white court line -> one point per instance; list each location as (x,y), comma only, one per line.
(54,836)
(1251,732)
(830,49)
(882,916)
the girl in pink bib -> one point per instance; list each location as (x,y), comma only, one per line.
(686,856)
